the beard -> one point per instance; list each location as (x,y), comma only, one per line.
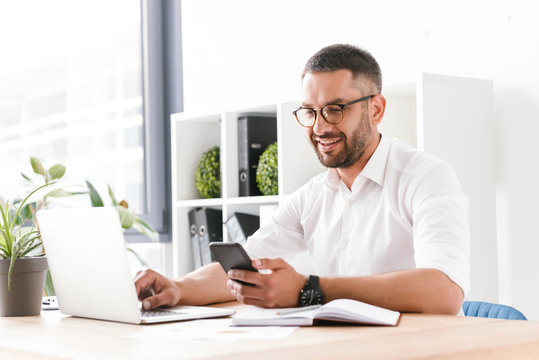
(354,148)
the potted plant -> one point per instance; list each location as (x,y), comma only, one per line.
(55,173)
(267,173)
(208,174)
(46,176)
(23,264)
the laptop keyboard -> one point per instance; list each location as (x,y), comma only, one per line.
(154,313)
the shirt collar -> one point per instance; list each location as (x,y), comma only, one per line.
(375,168)
(332,178)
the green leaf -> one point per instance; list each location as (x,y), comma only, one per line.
(57,171)
(27,178)
(49,287)
(141,260)
(64,193)
(112,197)
(27,243)
(6,227)
(126,218)
(22,204)
(10,271)
(6,250)
(33,244)
(37,166)
(146,225)
(58,193)
(95,198)
(4,254)
(144,228)
(26,212)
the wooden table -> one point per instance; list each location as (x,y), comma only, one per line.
(417,336)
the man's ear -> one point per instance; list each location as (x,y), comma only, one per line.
(377,107)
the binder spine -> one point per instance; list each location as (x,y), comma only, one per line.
(255,134)
(243,157)
(205,226)
(195,240)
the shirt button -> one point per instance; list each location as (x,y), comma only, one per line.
(346,240)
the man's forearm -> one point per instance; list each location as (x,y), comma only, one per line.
(203,286)
(418,290)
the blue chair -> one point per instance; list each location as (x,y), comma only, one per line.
(488,310)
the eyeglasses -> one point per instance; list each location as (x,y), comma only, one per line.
(332,113)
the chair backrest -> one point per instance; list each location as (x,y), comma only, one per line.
(489,310)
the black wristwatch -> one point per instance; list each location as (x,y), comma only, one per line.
(311,294)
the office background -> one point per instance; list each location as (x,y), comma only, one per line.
(241,53)
(259,48)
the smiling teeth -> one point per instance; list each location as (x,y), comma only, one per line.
(327,142)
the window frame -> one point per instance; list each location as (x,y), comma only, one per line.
(162,82)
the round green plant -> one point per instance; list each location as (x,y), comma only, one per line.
(267,173)
(208,174)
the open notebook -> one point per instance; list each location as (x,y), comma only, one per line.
(341,310)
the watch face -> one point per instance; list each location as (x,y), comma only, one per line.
(310,297)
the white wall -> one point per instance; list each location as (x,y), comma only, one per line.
(244,53)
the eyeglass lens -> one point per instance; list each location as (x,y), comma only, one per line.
(331,113)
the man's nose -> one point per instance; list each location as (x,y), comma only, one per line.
(321,126)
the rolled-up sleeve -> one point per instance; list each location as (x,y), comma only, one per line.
(440,225)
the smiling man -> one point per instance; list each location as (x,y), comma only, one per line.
(386,224)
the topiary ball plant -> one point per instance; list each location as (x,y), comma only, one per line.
(267,172)
(208,174)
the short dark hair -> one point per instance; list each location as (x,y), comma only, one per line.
(344,56)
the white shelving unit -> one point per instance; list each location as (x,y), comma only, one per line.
(449,117)
(192,135)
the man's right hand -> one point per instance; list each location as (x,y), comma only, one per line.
(154,289)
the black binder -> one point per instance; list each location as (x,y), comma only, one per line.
(255,134)
(205,226)
(240,226)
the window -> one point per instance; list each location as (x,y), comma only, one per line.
(77,86)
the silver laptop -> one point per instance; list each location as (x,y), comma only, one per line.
(89,268)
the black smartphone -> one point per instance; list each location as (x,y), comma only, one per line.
(232,256)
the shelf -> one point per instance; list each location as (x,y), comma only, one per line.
(199,203)
(247,200)
(273,199)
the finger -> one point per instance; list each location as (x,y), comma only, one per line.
(243,292)
(163,298)
(245,276)
(271,264)
(250,299)
(145,281)
(145,293)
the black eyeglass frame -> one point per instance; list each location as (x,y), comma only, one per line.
(342,106)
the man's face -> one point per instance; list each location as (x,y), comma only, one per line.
(338,145)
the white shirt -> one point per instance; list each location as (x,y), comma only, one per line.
(405,210)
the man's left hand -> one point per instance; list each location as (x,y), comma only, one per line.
(278,287)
